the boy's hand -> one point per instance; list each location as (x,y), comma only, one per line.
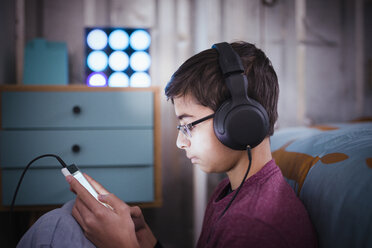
(144,234)
(101,225)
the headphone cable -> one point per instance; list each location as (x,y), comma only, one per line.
(236,192)
(22,176)
(241,184)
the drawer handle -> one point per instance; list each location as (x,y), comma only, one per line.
(76,110)
(75,148)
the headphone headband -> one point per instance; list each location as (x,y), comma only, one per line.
(230,62)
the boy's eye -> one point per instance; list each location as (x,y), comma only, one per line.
(190,127)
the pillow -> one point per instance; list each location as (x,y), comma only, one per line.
(330,167)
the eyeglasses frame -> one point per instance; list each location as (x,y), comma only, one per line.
(186,129)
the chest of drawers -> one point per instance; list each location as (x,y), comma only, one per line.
(112,134)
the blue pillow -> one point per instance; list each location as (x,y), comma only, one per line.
(337,186)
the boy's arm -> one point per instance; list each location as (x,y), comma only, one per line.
(121,226)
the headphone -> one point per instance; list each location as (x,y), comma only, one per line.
(240,121)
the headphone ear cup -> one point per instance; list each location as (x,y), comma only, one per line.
(219,122)
(238,126)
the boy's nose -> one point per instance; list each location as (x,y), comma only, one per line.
(182,141)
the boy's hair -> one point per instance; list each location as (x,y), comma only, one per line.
(200,76)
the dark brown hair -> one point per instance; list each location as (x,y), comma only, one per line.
(201,77)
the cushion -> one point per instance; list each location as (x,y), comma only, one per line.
(330,168)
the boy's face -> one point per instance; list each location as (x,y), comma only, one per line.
(203,148)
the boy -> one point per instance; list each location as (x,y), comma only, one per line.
(258,209)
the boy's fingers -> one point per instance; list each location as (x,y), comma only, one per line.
(97,186)
(114,202)
(135,211)
(89,201)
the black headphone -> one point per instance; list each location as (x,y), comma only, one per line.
(240,121)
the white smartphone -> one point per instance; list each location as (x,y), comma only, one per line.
(75,172)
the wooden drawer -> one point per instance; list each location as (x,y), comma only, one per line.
(49,187)
(97,147)
(97,109)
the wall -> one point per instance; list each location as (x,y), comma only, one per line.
(330,55)
(7,47)
(367,62)
(311,44)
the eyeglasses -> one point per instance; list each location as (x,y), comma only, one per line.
(186,129)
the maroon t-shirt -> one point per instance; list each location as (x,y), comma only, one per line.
(266,213)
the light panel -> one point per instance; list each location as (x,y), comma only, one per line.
(140,61)
(97,79)
(97,61)
(140,79)
(118,61)
(118,79)
(140,40)
(118,40)
(118,57)
(97,39)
